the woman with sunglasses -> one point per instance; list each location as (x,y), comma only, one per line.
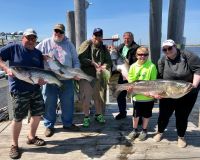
(177,65)
(142,69)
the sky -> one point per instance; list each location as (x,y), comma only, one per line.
(113,16)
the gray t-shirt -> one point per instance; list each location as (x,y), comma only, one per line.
(182,67)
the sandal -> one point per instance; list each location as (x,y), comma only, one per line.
(14,152)
(36,141)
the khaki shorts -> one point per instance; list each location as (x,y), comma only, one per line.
(87,93)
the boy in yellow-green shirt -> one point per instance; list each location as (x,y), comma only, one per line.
(142,69)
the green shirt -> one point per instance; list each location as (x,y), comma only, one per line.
(146,71)
(124,51)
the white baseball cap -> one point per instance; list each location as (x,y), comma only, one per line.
(30,31)
(168,42)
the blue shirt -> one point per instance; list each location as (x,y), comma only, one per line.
(17,55)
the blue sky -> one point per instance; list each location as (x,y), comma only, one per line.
(113,16)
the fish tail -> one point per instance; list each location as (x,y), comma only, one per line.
(115,89)
(90,78)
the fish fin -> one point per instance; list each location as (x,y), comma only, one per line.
(60,71)
(30,78)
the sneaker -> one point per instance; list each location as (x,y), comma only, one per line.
(86,122)
(100,119)
(14,152)
(181,142)
(49,132)
(158,137)
(132,135)
(142,136)
(72,128)
(120,116)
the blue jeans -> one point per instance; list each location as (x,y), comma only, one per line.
(51,93)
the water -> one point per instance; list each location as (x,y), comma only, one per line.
(195,50)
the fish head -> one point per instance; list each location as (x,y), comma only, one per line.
(178,89)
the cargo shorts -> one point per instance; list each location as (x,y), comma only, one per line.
(27,101)
(87,92)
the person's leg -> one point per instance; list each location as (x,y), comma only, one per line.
(146,113)
(166,109)
(20,103)
(97,99)
(66,96)
(15,152)
(121,101)
(36,110)
(16,128)
(183,108)
(85,97)
(135,119)
(145,123)
(50,95)
(98,104)
(34,122)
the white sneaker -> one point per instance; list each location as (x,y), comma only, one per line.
(132,135)
(181,142)
(158,137)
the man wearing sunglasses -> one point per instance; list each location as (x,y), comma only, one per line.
(177,65)
(25,96)
(63,50)
(95,61)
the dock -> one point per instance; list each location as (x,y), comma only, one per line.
(104,142)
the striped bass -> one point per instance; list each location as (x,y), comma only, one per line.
(67,72)
(32,75)
(164,88)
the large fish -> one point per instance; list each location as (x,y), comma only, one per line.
(65,71)
(164,88)
(32,75)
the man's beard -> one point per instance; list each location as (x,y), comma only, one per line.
(57,39)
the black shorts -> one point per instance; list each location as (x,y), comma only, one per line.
(25,101)
(142,109)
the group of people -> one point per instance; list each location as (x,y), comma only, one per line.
(40,99)
(94,59)
(176,64)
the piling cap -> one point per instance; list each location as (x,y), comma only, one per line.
(60,27)
(29,32)
(98,32)
(168,42)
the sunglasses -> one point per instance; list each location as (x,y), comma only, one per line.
(145,55)
(167,49)
(58,31)
(98,35)
(31,38)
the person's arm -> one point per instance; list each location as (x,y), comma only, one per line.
(196,80)
(5,68)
